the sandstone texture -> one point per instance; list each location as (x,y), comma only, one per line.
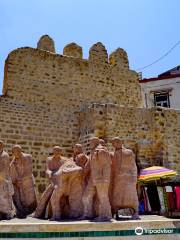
(51,99)
(24,197)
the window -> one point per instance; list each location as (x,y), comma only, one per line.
(161,99)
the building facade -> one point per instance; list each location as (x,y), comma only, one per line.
(163,91)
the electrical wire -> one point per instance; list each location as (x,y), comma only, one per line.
(163,56)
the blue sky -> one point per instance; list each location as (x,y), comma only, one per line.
(146,29)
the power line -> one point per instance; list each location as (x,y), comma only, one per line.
(159,59)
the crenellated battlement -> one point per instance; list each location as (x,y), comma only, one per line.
(46,43)
(42,76)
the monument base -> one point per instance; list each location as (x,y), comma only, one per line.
(148,227)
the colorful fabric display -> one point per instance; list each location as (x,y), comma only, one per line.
(168,189)
(161,198)
(144,199)
(165,199)
(148,207)
(153,197)
(170,198)
(141,207)
(155,173)
(177,191)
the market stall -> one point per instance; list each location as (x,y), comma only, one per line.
(157,194)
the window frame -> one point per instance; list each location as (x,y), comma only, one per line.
(161,93)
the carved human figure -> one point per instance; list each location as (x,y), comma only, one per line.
(124,178)
(68,186)
(102,142)
(24,197)
(65,190)
(81,159)
(100,170)
(79,156)
(6,187)
(53,164)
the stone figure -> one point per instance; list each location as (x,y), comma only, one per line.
(98,183)
(53,164)
(79,157)
(103,183)
(102,142)
(64,193)
(66,200)
(24,197)
(124,179)
(7,210)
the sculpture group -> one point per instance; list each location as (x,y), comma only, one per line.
(91,187)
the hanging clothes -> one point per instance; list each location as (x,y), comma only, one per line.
(144,199)
(161,199)
(141,207)
(170,198)
(141,199)
(177,191)
(165,199)
(153,197)
(149,209)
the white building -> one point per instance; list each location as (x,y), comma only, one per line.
(163,90)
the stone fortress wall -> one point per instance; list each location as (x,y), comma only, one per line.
(51,99)
(153,134)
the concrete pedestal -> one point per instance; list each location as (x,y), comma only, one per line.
(149,227)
